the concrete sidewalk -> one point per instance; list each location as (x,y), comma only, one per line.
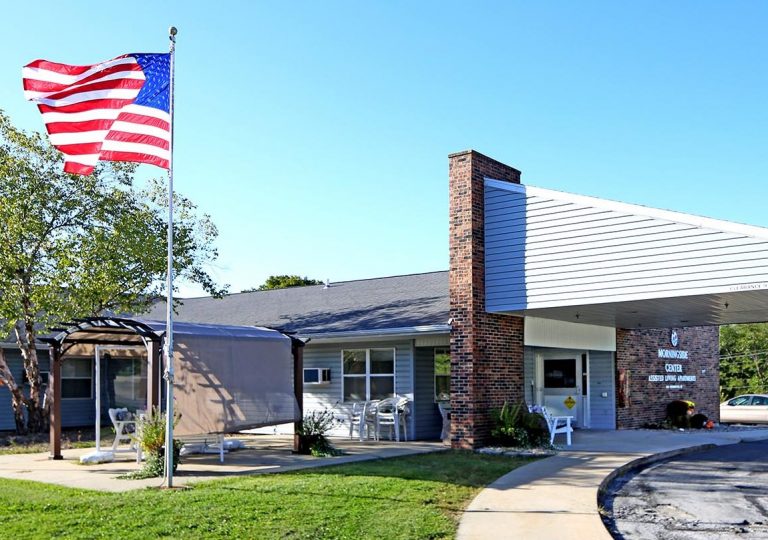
(556,498)
(262,454)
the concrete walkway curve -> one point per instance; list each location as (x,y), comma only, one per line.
(556,498)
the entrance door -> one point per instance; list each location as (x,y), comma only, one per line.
(560,377)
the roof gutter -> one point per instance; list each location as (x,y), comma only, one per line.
(383,333)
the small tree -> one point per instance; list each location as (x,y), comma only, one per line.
(75,246)
(283,282)
(743,359)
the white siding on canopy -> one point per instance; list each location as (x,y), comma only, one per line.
(546,248)
(560,334)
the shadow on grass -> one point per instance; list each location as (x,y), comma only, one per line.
(456,467)
(410,479)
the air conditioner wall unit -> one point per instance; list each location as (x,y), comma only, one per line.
(317,375)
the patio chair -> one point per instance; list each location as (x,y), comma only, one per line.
(392,413)
(125,428)
(403,411)
(369,423)
(356,418)
(445,412)
(555,424)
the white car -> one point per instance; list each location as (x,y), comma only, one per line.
(746,409)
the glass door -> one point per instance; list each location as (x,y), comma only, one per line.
(560,385)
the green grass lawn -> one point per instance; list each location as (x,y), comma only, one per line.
(412,497)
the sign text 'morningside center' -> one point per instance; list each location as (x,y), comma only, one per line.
(672,353)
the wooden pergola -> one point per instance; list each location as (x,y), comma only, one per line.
(79,337)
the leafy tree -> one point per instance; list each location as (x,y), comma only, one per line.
(743,359)
(74,246)
(283,282)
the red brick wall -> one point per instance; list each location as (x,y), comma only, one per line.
(486,349)
(637,351)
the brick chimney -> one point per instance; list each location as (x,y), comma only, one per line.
(486,348)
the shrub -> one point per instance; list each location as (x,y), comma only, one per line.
(150,435)
(515,426)
(698,421)
(679,413)
(312,434)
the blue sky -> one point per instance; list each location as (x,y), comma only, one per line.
(316,134)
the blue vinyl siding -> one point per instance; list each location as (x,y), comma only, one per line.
(427,419)
(602,410)
(77,412)
(74,412)
(329,396)
(13,358)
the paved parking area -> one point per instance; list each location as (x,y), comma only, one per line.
(716,494)
(557,498)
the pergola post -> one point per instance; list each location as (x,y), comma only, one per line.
(297,349)
(54,381)
(153,375)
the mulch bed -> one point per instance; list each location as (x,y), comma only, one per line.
(69,436)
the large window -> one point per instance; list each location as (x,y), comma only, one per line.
(442,374)
(368,374)
(126,382)
(76,378)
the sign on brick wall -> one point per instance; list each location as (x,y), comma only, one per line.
(674,374)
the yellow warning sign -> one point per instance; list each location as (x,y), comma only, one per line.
(569,402)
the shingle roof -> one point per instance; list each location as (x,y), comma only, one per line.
(348,306)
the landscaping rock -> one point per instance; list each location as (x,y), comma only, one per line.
(517,452)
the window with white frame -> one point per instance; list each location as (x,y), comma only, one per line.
(76,378)
(368,374)
(126,381)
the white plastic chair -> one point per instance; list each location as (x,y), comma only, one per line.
(392,412)
(445,412)
(403,412)
(370,421)
(356,418)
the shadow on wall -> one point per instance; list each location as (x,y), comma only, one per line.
(231,386)
(506,231)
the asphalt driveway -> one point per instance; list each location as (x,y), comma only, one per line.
(715,494)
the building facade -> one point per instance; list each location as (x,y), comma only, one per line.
(601,310)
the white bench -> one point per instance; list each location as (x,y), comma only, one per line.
(211,443)
(203,444)
(555,424)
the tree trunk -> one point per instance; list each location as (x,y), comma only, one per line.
(17,396)
(36,418)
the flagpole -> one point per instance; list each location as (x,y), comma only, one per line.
(169,286)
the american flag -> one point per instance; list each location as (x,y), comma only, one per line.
(118,110)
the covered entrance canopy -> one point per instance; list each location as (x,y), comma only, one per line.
(586,260)
(699,310)
(227,378)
